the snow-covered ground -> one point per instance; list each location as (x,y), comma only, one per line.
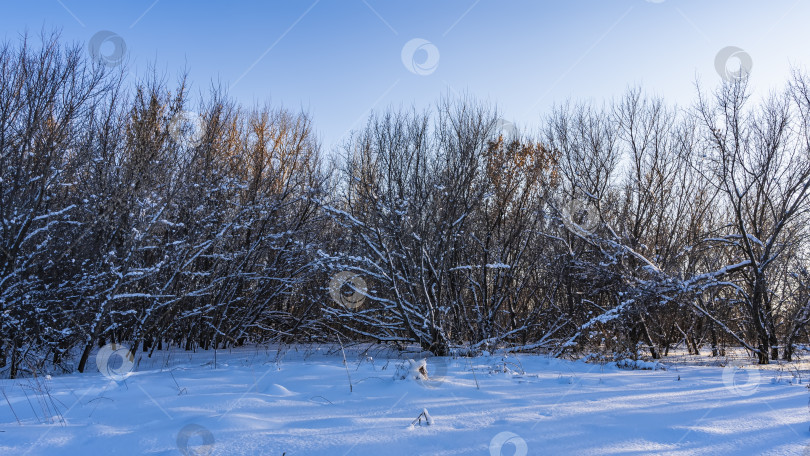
(298,402)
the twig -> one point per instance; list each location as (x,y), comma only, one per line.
(474,376)
(3,390)
(346,365)
(180,390)
(327,400)
(424,415)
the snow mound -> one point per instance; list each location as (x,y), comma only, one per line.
(278,391)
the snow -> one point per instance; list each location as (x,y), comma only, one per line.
(298,401)
(640,364)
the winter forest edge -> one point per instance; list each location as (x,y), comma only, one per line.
(130,214)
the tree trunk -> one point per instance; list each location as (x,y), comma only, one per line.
(759,320)
(85,355)
(715,348)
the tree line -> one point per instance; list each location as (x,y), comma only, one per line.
(626,228)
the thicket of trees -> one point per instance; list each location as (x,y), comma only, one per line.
(626,228)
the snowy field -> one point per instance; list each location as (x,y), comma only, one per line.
(298,402)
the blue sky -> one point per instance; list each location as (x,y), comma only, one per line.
(339,59)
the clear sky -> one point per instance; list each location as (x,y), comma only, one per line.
(339,59)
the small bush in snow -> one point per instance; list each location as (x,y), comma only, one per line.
(412,370)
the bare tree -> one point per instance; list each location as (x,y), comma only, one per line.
(760,164)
